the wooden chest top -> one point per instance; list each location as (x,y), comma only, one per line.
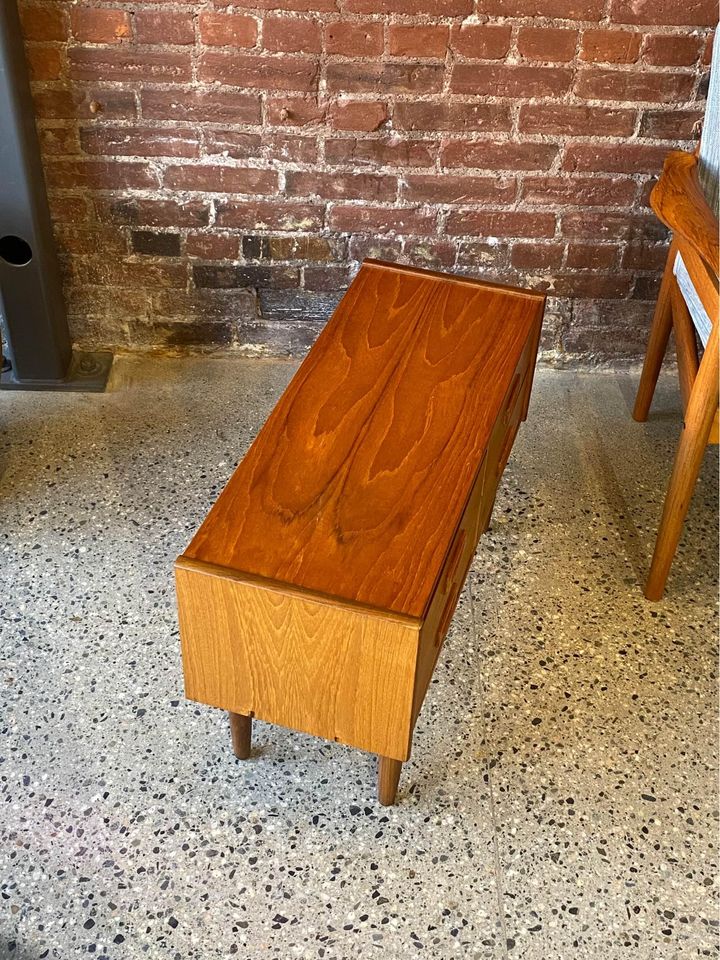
(355,485)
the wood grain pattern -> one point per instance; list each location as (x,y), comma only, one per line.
(699,415)
(678,200)
(388,779)
(241,734)
(319,590)
(355,485)
(338,672)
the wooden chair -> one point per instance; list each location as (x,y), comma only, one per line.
(685,199)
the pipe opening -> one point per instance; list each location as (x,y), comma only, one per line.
(15,250)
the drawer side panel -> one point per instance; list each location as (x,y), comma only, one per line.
(311,665)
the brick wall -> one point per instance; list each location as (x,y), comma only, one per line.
(217,170)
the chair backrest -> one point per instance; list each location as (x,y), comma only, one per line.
(709,156)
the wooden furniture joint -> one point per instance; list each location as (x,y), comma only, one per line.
(318,590)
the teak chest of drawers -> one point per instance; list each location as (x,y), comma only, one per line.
(319,589)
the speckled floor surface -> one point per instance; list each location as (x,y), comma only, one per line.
(561,801)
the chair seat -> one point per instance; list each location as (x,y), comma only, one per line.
(700,319)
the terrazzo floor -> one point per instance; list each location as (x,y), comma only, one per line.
(561,801)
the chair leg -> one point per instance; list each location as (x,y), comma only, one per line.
(241,733)
(701,409)
(657,342)
(388,779)
(685,344)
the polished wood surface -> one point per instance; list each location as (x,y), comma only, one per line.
(701,410)
(338,672)
(241,733)
(356,483)
(678,200)
(660,329)
(318,592)
(388,779)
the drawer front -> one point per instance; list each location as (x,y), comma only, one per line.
(472,525)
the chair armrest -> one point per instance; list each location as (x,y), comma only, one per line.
(678,201)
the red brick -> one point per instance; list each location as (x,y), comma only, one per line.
(97,25)
(68,209)
(435,8)
(233,143)
(211,105)
(270,215)
(88,238)
(164,26)
(610,46)
(452,116)
(286,6)
(707,52)
(579,191)
(383,152)
(356,219)
(644,256)
(480,42)
(592,256)
(506,223)
(665,50)
(457,189)
(211,246)
(127,64)
(104,103)
(510,80)
(498,155)
(43,22)
(295,111)
(53,103)
(216,179)
(99,174)
(384,78)
(539,43)
(130,273)
(44,63)
(58,140)
(693,13)
(291,35)
(592,225)
(350,39)
(378,247)
(326,277)
(365,115)
(288,147)
(616,158)
(624,85)
(576,121)
(592,286)
(88,103)
(665,124)
(153,213)
(418,41)
(335,186)
(262,73)
(556,9)
(227,30)
(139,142)
(537,256)
(431,253)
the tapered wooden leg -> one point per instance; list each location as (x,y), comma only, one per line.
(657,342)
(685,344)
(241,732)
(388,779)
(701,409)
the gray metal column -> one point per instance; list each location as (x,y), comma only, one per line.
(31,301)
